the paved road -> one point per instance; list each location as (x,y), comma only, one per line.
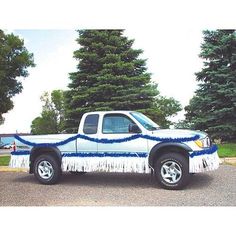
(5,151)
(216,188)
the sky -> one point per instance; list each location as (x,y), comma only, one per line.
(172,58)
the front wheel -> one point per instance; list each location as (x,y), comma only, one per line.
(46,169)
(172,171)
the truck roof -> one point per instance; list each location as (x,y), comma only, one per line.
(104,112)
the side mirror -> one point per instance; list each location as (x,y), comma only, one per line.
(133,128)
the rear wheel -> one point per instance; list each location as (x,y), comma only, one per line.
(172,171)
(46,169)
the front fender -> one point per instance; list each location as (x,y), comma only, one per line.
(160,148)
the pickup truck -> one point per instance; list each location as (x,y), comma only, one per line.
(118,141)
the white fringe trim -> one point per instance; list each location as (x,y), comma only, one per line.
(206,162)
(201,163)
(107,164)
(19,161)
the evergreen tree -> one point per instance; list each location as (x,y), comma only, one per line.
(213,108)
(110,76)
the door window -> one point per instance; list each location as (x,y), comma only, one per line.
(116,124)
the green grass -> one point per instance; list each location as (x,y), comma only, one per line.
(227,150)
(4,160)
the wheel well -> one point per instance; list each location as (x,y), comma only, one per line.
(167,149)
(54,152)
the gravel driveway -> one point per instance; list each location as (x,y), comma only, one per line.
(216,188)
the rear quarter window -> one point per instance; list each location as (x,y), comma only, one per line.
(91,124)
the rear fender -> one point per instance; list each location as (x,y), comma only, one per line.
(37,151)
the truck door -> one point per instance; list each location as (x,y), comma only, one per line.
(116,126)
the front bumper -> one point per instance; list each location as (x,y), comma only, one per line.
(204,160)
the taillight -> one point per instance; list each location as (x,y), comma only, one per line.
(14,146)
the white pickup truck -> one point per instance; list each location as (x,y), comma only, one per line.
(117,141)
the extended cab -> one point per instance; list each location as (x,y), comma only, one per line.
(118,141)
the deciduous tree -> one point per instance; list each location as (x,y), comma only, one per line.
(14,62)
(51,120)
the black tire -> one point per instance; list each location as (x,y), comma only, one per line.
(171,171)
(44,164)
(78,172)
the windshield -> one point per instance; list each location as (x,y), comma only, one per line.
(145,121)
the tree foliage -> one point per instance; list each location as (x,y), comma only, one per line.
(112,76)
(14,61)
(213,108)
(52,117)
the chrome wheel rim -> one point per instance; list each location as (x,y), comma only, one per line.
(45,170)
(171,172)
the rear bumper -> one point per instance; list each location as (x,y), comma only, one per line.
(20,159)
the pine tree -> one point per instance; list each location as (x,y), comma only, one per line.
(213,108)
(110,76)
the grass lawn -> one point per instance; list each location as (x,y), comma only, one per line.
(4,160)
(227,150)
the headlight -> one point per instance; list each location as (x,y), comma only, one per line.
(203,143)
